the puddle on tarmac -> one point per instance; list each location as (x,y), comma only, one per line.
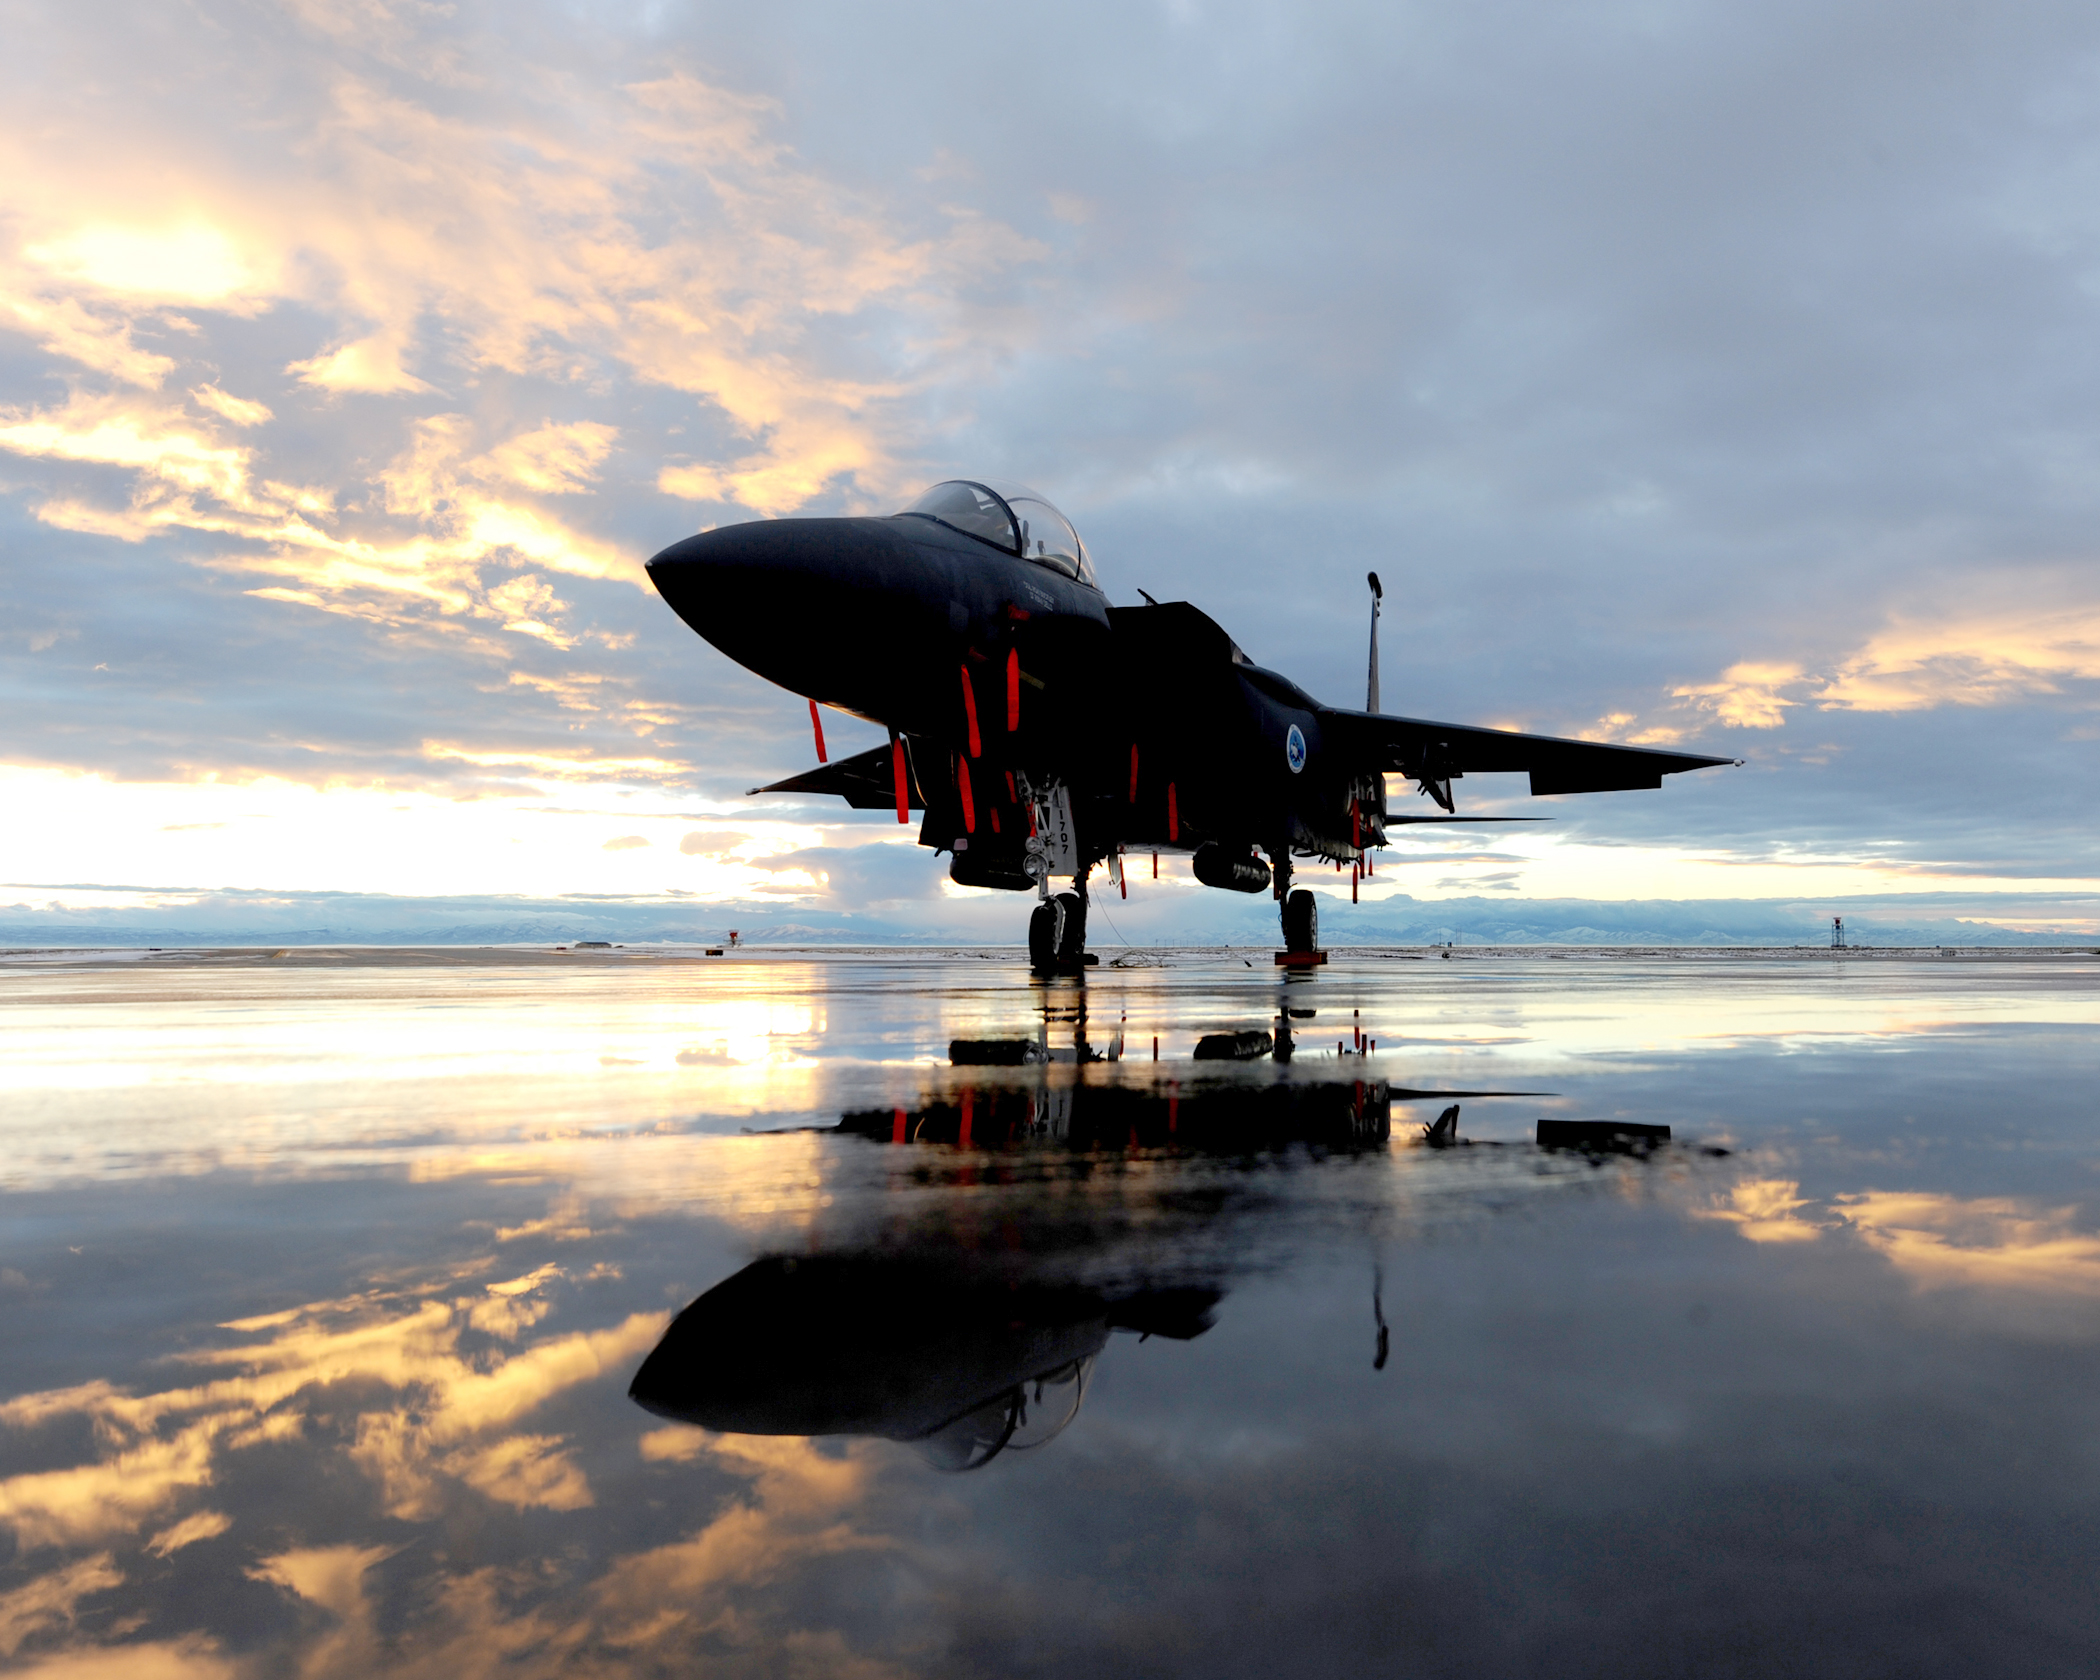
(1166,1323)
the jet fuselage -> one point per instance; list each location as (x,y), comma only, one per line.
(1160,729)
(1042,730)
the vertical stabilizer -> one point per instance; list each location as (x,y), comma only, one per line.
(1377,601)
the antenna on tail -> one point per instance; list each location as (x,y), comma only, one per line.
(1377,601)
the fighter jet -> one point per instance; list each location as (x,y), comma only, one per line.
(1044,733)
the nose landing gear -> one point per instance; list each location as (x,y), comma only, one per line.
(1057,935)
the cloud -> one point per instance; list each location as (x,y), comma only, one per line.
(543,240)
(175,459)
(1748,696)
(189,263)
(368,302)
(1989,658)
(626,842)
(550,766)
(1506,880)
(1657,424)
(555,460)
(866,876)
(186,478)
(237,411)
(1924,657)
(65,327)
(371,365)
(717,843)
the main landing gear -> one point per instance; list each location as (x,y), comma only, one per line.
(1057,935)
(1301,920)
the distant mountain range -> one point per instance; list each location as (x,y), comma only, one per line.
(1157,918)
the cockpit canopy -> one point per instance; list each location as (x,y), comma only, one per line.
(1012,518)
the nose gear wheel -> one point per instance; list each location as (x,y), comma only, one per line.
(1046,935)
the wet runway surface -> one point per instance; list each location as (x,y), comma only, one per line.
(487,1313)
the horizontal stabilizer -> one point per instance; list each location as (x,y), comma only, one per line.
(1600,779)
(864,781)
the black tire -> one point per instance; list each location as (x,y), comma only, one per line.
(1301,922)
(1071,941)
(1046,932)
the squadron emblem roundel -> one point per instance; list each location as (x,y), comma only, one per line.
(1294,749)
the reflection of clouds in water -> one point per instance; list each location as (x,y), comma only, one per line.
(565,1223)
(53,1599)
(784,1555)
(333,1578)
(514,1305)
(187,1659)
(430,1422)
(1933,1238)
(128,1487)
(378,1032)
(711,1590)
(439,1415)
(2001,1242)
(794,1516)
(198,1525)
(1766,1210)
(739,1033)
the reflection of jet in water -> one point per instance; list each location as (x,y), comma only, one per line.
(972,1330)
(967,1363)
(971,1339)
(1217,1118)
(1051,1097)
(1017,1091)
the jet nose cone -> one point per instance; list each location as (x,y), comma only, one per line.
(717,579)
(799,601)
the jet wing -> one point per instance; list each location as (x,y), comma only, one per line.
(1432,753)
(863,781)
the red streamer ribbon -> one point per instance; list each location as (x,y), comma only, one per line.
(970,713)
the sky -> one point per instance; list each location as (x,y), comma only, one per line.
(1692,374)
